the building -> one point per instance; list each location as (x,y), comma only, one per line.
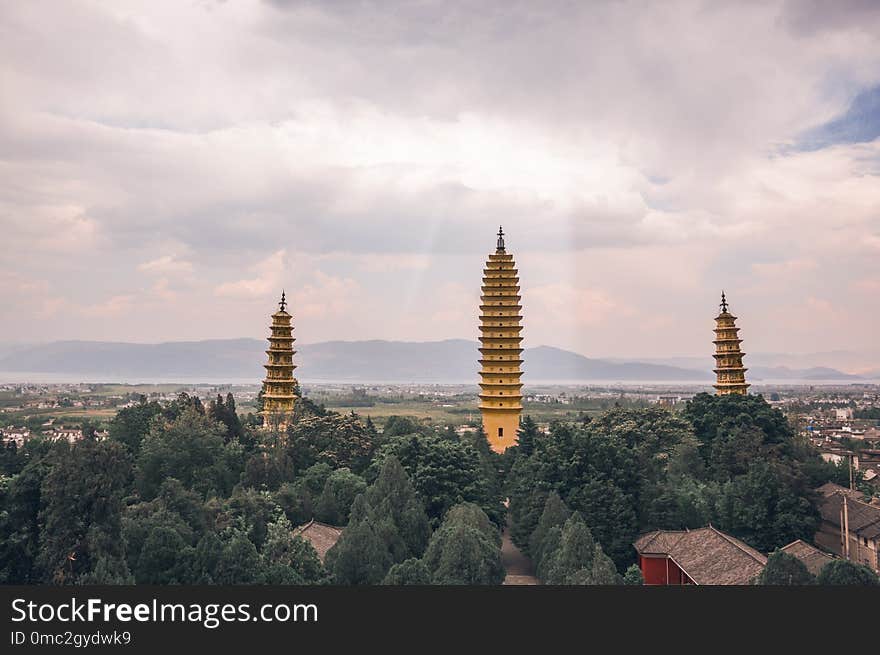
(850,527)
(322,536)
(500,340)
(813,558)
(705,556)
(279,386)
(729,371)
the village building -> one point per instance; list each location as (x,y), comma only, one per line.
(850,526)
(321,536)
(813,558)
(705,556)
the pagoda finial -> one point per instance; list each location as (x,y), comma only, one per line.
(723,302)
(283,302)
(500,239)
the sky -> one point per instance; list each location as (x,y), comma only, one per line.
(166,168)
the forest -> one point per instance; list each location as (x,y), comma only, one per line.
(192,493)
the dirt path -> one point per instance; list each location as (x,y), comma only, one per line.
(519,567)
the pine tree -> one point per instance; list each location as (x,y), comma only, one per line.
(527,437)
(555,513)
(360,557)
(785,569)
(393,498)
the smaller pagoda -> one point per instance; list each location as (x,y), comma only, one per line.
(279,385)
(729,371)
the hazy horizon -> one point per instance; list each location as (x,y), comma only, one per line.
(168,169)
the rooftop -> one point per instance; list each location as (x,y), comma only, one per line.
(322,536)
(706,555)
(813,558)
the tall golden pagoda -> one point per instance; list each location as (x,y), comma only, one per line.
(500,398)
(729,370)
(278,387)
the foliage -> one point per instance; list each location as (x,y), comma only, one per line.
(785,569)
(578,559)
(81,510)
(412,571)
(360,557)
(340,490)
(555,514)
(444,473)
(193,449)
(844,572)
(131,424)
(332,439)
(393,500)
(465,549)
(633,576)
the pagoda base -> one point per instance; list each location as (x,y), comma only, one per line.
(501,427)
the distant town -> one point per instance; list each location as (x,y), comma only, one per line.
(841,422)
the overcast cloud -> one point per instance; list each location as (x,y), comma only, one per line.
(166,168)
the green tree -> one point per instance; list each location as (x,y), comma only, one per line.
(340,490)
(844,572)
(633,576)
(288,557)
(392,499)
(527,437)
(579,559)
(785,569)
(443,473)
(81,509)
(239,562)
(131,424)
(465,549)
(333,439)
(19,523)
(555,514)
(251,511)
(412,571)
(191,448)
(299,499)
(763,508)
(360,557)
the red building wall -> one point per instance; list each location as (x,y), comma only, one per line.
(661,570)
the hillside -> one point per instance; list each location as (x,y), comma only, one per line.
(452,360)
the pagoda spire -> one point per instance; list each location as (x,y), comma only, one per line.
(500,341)
(279,395)
(729,370)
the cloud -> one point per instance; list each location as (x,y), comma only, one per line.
(640,158)
(166,265)
(267,281)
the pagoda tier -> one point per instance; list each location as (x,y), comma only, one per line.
(729,371)
(279,385)
(500,339)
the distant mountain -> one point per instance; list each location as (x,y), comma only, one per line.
(548,363)
(836,362)
(813,373)
(448,361)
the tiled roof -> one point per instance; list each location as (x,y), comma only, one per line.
(322,536)
(706,555)
(864,519)
(829,489)
(813,558)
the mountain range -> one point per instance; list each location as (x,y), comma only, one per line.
(449,361)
